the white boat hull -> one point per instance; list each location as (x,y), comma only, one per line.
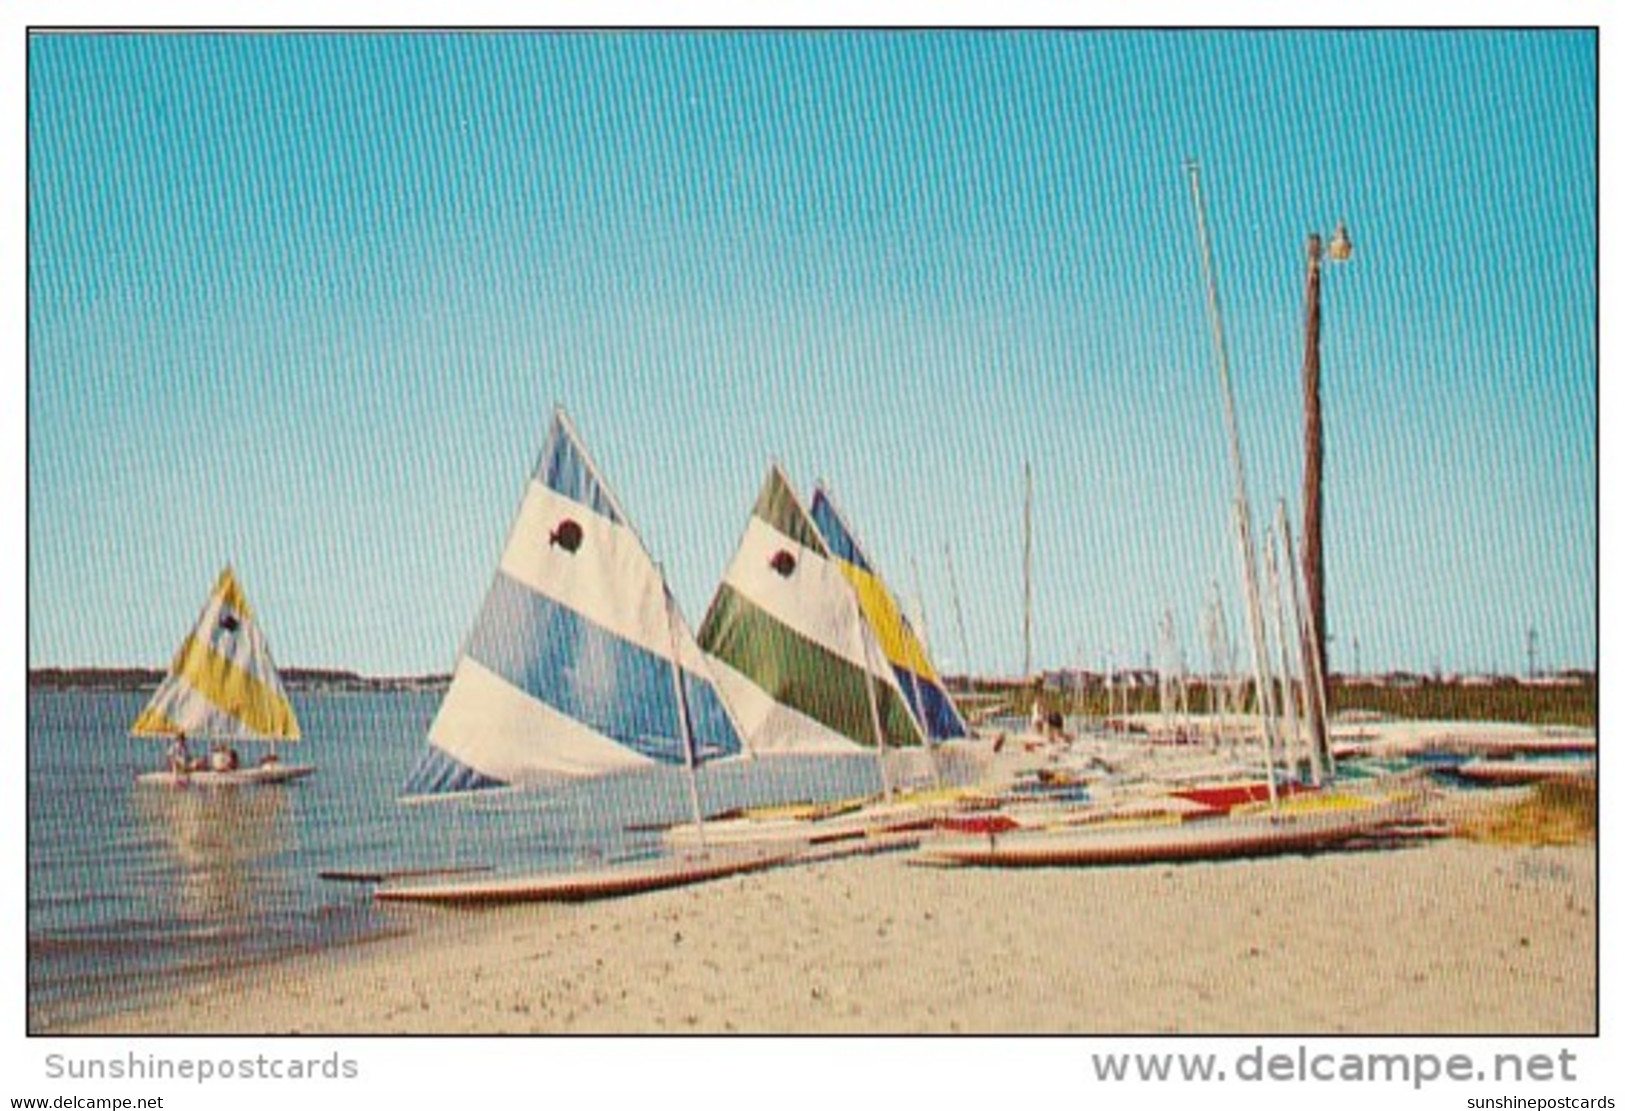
(1158,842)
(842,824)
(1519,772)
(259,775)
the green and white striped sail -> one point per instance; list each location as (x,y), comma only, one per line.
(789,647)
(222,683)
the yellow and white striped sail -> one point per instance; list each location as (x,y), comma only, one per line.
(222,683)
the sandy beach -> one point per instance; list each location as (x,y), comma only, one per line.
(1438,937)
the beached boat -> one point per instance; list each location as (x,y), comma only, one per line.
(584,886)
(579,665)
(222,687)
(792,653)
(813,652)
(1517,772)
(1226,795)
(1279,829)
(911,812)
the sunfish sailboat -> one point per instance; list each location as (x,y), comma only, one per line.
(222,687)
(789,644)
(579,665)
(916,676)
(805,670)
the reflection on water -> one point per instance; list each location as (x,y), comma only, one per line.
(217,840)
(140,889)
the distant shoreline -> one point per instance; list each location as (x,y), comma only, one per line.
(1560,698)
(296,678)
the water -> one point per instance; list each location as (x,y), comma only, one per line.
(133,890)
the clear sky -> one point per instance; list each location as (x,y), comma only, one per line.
(304,303)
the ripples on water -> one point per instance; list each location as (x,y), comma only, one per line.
(134,890)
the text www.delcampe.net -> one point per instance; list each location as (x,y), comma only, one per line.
(1306,1064)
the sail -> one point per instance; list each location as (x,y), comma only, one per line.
(572,666)
(792,654)
(917,677)
(222,683)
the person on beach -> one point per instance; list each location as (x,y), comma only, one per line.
(1055,729)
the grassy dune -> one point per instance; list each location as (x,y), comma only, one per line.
(1551,814)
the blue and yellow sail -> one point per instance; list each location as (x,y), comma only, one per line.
(222,683)
(917,677)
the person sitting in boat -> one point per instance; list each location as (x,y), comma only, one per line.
(268,760)
(222,758)
(180,757)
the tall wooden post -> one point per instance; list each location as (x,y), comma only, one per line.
(1314,571)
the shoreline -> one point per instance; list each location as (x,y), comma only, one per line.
(1447,938)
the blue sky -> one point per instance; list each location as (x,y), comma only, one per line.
(304,303)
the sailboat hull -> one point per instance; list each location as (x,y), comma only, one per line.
(1262,834)
(241,777)
(1512,773)
(567,887)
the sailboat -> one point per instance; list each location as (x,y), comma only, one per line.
(788,642)
(917,676)
(222,686)
(811,652)
(579,665)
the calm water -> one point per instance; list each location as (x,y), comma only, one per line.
(131,889)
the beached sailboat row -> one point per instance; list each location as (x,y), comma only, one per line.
(580,664)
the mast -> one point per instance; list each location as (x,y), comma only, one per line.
(690,758)
(924,635)
(959,613)
(1166,650)
(1242,510)
(1289,696)
(1027,578)
(874,702)
(1218,659)
(1320,748)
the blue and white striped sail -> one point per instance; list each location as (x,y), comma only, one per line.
(572,666)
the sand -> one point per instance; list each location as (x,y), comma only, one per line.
(1440,937)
